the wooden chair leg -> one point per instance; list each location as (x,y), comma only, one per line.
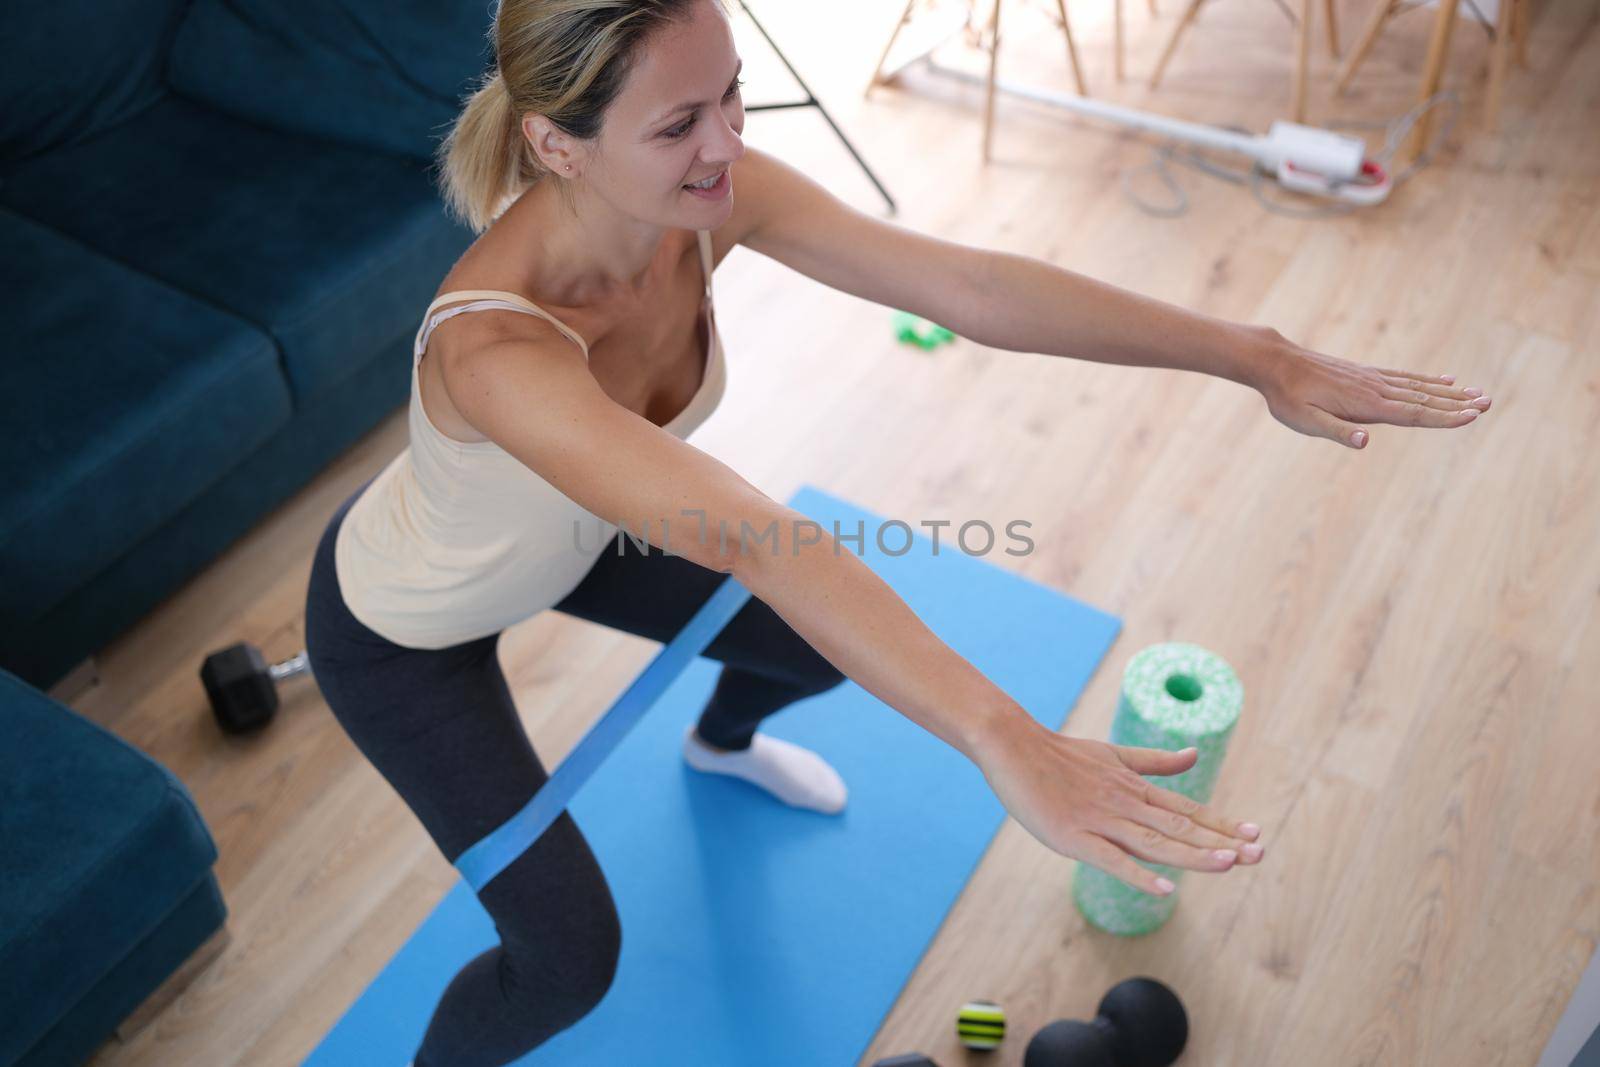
(1072,49)
(994,62)
(1432,72)
(1519,19)
(1172,42)
(1302,57)
(1381,10)
(1329,16)
(877,71)
(1499,52)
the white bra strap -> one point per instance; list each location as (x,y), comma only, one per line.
(482,299)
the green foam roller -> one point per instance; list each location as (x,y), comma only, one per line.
(1174,696)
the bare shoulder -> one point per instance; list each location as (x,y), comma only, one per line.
(487,266)
(485,328)
(523,356)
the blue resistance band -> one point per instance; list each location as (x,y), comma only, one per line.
(502,845)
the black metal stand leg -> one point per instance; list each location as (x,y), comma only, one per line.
(812,101)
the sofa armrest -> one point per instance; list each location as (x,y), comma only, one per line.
(106,856)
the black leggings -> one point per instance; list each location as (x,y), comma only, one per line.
(440,726)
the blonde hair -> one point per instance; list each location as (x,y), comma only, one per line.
(564,59)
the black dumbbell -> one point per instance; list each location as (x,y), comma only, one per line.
(909,1059)
(1141,1023)
(243,686)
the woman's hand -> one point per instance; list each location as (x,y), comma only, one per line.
(1086,800)
(1323,396)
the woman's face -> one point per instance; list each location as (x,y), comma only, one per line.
(677,120)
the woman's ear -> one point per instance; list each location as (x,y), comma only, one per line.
(555,150)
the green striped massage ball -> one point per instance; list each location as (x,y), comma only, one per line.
(981,1024)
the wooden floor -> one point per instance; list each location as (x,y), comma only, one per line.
(1415,624)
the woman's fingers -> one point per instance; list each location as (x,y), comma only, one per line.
(1333,427)
(1182,828)
(1151,844)
(1429,397)
(1412,386)
(1442,379)
(1413,412)
(1088,799)
(1198,813)
(1159,761)
(1096,850)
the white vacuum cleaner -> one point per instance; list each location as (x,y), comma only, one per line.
(1306,159)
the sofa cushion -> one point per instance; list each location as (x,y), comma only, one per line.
(101,844)
(399,69)
(333,250)
(75,67)
(121,400)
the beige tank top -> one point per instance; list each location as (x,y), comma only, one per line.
(454,540)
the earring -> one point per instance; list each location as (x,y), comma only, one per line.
(569,166)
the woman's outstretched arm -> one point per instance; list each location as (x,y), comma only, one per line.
(1018,303)
(1027,305)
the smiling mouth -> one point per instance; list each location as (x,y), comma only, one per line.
(708,183)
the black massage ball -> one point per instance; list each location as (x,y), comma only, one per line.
(1141,1023)
(1069,1043)
(1148,1025)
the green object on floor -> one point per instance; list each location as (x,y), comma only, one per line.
(1174,695)
(910,329)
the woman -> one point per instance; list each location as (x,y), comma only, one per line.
(569,353)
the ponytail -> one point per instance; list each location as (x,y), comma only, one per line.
(482,156)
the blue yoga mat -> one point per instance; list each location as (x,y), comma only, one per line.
(754,932)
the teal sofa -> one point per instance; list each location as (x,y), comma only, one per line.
(220,225)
